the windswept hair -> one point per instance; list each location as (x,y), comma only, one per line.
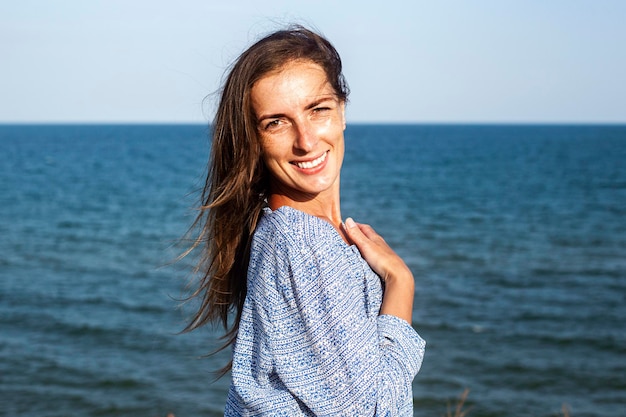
(237,183)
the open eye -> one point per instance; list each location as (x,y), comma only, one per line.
(271,124)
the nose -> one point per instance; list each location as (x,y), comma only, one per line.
(306,138)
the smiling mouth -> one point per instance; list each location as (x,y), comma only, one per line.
(313,163)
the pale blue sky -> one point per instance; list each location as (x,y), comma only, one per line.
(406,61)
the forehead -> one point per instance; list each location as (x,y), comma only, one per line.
(295,79)
(294,66)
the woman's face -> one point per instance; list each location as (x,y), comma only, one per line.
(300,123)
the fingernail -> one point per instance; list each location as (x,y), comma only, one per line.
(350,223)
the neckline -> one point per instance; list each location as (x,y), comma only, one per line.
(326,224)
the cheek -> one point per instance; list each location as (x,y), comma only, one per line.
(266,147)
(271,150)
(331,125)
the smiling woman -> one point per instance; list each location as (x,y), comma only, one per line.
(322,307)
(301,123)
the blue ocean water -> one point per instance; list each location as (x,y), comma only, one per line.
(515,234)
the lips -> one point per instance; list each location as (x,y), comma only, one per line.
(312,164)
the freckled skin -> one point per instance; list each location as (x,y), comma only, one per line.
(301,124)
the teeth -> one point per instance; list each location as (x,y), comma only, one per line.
(313,163)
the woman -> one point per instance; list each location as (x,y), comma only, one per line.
(314,332)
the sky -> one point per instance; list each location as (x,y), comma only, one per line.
(412,61)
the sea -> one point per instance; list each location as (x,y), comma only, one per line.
(516,235)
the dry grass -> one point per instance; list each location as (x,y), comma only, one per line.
(458,410)
(565,410)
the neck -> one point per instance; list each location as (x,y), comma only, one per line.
(328,211)
(324,208)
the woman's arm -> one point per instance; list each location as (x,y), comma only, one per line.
(398,279)
(308,338)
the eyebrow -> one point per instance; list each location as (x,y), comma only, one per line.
(309,106)
(319,101)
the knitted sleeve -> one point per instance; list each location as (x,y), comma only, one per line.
(311,341)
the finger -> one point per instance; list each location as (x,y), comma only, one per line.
(363,234)
(355,233)
(365,229)
(369,232)
(352,229)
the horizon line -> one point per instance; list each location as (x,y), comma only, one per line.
(354,123)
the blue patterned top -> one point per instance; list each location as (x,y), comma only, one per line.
(311,341)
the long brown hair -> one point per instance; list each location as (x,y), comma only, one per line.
(237,183)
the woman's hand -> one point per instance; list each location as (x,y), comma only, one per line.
(398,279)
